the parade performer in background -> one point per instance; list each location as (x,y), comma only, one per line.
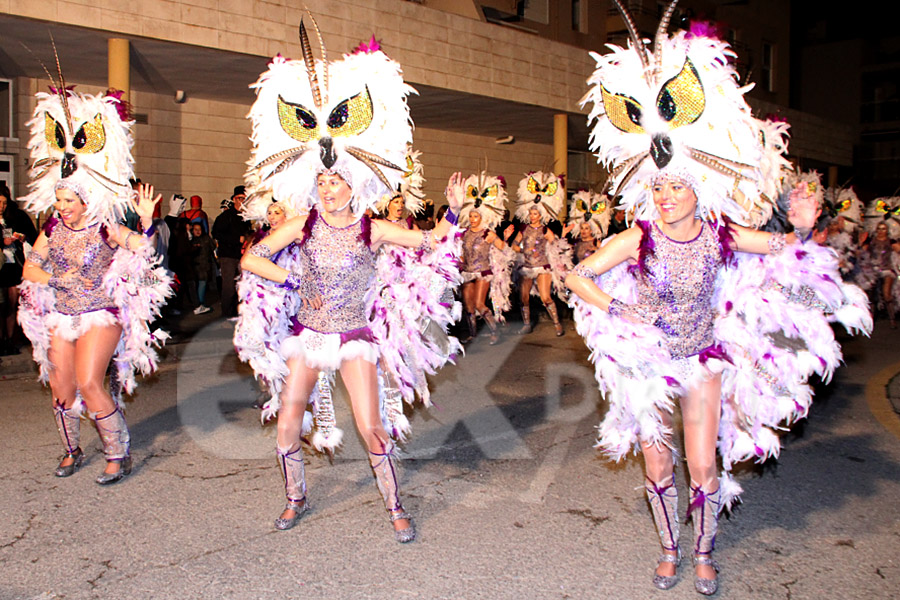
(879,252)
(91,285)
(328,137)
(486,260)
(688,304)
(402,206)
(841,218)
(588,221)
(546,257)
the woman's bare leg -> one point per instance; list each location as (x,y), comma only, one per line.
(701,410)
(63,389)
(659,468)
(469,293)
(545,282)
(298,386)
(360,378)
(482,287)
(525,296)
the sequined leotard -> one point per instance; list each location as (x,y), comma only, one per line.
(476,252)
(339,267)
(87,250)
(677,284)
(534,247)
(583,249)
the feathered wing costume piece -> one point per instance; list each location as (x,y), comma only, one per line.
(487,195)
(679,111)
(85,141)
(593,209)
(350,117)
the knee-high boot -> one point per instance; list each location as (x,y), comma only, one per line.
(554,316)
(68,423)
(664,506)
(386,480)
(472,323)
(488,317)
(704,512)
(294,475)
(526,319)
(116,445)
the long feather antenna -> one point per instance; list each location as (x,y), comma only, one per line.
(635,39)
(290,152)
(658,39)
(374,158)
(364,158)
(324,57)
(63,93)
(310,62)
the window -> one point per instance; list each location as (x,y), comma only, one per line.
(768,66)
(579,18)
(6,108)
(7,164)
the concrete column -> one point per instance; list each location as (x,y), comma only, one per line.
(561,150)
(832,176)
(119,66)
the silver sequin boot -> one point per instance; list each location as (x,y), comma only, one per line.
(116,444)
(386,480)
(554,316)
(68,423)
(664,505)
(526,320)
(704,512)
(294,475)
(488,317)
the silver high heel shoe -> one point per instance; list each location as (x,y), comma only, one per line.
(707,587)
(404,535)
(664,582)
(65,470)
(124,470)
(300,508)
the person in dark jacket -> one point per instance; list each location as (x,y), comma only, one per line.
(230,231)
(17,230)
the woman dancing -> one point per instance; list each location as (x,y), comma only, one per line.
(326,279)
(679,306)
(92,285)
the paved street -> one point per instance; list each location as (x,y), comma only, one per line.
(510,499)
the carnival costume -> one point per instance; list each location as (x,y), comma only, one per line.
(346,117)
(546,193)
(486,195)
(843,205)
(594,210)
(676,113)
(82,143)
(880,262)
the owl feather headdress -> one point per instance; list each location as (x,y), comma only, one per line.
(884,210)
(677,110)
(842,202)
(591,208)
(347,116)
(81,142)
(410,185)
(487,195)
(544,191)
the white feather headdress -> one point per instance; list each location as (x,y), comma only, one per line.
(348,116)
(591,208)
(81,140)
(487,195)
(678,109)
(411,186)
(843,202)
(544,191)
(884,210)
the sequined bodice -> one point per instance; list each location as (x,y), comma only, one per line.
(678,283)
(339,267)
(85,250)
(880,252)
(476,251)
(404,223)
(534,246)
(583,249)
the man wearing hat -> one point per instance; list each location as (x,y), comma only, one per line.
(230,231)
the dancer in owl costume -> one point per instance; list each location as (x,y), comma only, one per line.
(329,139)
(690,305)
(841,220)
(486,259)
(546,258)
(588,219)
(90,285)
(880,254)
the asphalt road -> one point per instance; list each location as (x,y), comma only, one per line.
(509,497)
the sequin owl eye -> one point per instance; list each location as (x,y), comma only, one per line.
(598,207)
(297,121)
(623,112)
(550,188)
(54,134)
(681,100)
(352,116)
(410,167)
(581,205)
(91,138)
(472,191)
(533,186)
(490,193)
